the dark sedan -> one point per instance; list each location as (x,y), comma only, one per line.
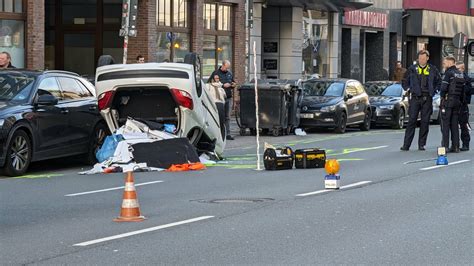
(389,103)
(334,103)
(45,115)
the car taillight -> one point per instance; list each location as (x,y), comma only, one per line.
(182,98)
(105,99)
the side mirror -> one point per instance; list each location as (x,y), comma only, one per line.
(349,96)
(47,99)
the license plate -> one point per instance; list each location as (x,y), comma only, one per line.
(307,115)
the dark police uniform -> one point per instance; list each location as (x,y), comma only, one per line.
(464,114)
(452,95)
(423,83)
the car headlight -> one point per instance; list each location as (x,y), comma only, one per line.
(331,108)
(387,107)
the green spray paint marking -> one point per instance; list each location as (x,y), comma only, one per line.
(38,176)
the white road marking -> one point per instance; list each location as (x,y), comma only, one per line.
(441,166)
(356,184)
(313,193)
(330,190)
(110,189)
(138,232)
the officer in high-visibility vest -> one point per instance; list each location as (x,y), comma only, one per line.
(422,81)
(452,96)
(464,112)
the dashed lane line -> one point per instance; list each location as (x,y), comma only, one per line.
(361,183)
(142,231)
(110,189)
(441,166)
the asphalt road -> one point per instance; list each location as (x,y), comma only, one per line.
(403,212)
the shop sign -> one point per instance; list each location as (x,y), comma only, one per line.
(366,19)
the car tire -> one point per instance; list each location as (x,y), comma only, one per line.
(400,120)
(19,153)
(365,126)
(101,131)
(342,122)
(276,132)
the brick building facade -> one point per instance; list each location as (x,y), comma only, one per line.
(72,34)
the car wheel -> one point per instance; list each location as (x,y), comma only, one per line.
(400,120)
(341,126)
(365,126)
(19,153)
(253,132)
(276,132)
(101,131)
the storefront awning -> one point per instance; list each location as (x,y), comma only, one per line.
(438,24)
(329,5)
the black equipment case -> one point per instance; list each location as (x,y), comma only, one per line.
(310,158)
(278,159)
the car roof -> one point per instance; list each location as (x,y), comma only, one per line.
(37,72)
(331,80)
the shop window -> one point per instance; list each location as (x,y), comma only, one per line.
(173,41)
(11,6)
(209,61)
(12,34)
(218,36)
(112,12)
(172,13)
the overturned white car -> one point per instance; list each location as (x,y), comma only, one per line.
(166,93)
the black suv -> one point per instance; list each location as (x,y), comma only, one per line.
(46,115)
(335,103)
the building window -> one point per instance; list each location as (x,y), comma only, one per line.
(172,13)
(218,36)
(12,30)
(172,19)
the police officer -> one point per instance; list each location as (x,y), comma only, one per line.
(452,96)
(464,113)
(422,81)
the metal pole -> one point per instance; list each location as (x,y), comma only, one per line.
(257,122)
(125,39)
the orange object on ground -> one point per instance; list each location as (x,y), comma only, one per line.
(332,166)
(186,167)
(130,211)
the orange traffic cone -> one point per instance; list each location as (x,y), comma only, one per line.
(130,211)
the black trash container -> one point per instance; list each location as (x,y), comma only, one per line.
(274,108)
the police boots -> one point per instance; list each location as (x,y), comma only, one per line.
(465,147)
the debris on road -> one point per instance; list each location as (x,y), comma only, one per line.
(138,146)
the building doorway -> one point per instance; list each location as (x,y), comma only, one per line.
(78,32)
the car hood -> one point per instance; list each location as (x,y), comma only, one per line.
(8,108)
(320,101)
(384,100)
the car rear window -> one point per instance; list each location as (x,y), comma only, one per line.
(149,73)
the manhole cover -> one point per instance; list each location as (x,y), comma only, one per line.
(236,200)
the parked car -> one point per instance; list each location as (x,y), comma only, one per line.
(388,102)
(168,93)
(335,103)
(45,115)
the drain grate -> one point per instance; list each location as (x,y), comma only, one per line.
(235,200)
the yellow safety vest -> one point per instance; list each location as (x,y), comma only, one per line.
(425,71)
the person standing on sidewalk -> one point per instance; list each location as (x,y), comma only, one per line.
(219,96)
(464,112)
(399,72)
(5,60)
(452,95)
(422,81)
(227,79)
